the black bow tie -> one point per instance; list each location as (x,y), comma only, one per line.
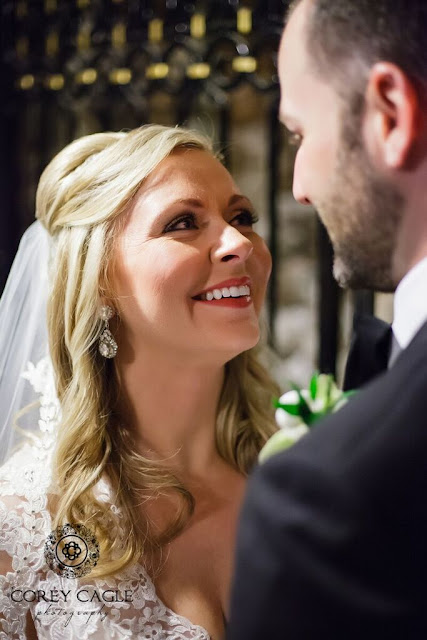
(369,351)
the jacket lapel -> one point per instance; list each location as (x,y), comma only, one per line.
(369,351)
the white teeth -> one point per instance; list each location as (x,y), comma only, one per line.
(227,292)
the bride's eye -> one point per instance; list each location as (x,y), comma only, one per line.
(182,223)
(245,218)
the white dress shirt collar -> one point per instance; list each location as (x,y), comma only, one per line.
(410,304)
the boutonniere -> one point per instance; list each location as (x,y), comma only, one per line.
(299,409)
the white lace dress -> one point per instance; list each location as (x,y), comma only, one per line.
(64,608)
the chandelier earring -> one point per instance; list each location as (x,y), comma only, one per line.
(107,345)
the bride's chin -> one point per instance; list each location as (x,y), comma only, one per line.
(244,343)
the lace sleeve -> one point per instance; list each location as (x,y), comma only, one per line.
(24,523)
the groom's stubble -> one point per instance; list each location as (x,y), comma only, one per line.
(362,212)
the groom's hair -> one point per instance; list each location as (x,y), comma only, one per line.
(345,36)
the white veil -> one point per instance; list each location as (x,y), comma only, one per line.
(23,338)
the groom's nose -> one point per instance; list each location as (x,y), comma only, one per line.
(299,193)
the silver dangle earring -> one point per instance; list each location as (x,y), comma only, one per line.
(107,345)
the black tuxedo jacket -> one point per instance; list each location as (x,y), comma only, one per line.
(369,350)
(333,534)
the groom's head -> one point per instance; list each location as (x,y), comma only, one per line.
(353,77)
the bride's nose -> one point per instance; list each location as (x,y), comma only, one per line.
(231,245)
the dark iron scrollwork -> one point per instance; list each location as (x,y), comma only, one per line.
(82,50)
(75,66)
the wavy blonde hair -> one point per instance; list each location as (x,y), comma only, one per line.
(80,198)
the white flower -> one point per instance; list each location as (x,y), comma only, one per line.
(299,409)
(284,419)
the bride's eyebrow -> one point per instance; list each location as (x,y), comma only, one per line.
(191,202)
(195,202)
(239,197)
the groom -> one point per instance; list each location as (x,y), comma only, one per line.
(333,534)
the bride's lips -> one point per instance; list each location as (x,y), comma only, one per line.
(237,303)
(227,301)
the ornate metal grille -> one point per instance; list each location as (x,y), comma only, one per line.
(72,67)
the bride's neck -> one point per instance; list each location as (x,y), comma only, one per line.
(172,405)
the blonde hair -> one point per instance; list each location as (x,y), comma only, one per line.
(80,197)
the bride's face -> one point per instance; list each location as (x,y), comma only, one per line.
(187,246)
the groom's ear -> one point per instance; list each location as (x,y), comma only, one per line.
(394,116)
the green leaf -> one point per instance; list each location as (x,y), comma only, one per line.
(292,409)
(315,416)
(304,409)
(301,410)
(313,385)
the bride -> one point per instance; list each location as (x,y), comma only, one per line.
(118,509)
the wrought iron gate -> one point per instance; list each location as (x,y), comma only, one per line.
(72,67)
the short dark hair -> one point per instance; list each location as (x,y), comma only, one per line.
(372,31)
